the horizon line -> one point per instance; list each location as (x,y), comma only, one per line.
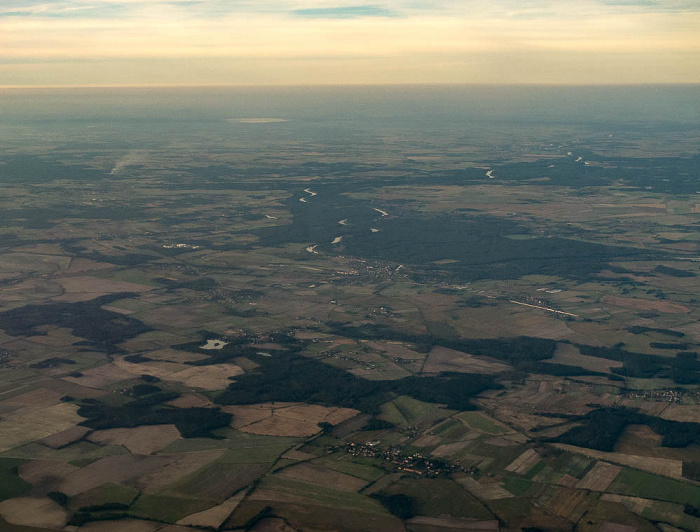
(325,85)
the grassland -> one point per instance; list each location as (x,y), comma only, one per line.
(410,411)
(11,485)
(359,470)
(482,422)
(105,494)
(166,509)
(517,486)
(641,484)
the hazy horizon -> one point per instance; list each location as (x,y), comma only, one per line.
(575,103)
(358,84)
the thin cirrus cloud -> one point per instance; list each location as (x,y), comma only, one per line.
(106,42)
(344,12)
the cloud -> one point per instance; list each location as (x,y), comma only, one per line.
(329,41)
(335,9)
(656,5)
(630,2)
(62,9)
(345,12)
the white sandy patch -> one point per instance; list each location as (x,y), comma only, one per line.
(383,213)
(303,200)
(343,222)
(489,174)
(270,217)
(374,230)
(214,344)
(312,249)
(337,240)
(308,191)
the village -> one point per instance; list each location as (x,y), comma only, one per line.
(414,463)
(671,396)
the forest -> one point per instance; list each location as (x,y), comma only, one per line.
(292,378)
(601,428)
(149,409)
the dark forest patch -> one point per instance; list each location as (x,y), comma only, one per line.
(673,272)
(32,169)
(638,329)
(601,428)
(125,259)
(683,369)
(53,362)
(292,378)
(102,329)
(479,245)
(190,422)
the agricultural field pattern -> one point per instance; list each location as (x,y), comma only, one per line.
(350,310)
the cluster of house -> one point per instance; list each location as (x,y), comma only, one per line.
(671,396)
(414,463)
(351,359)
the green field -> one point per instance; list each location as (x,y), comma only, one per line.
(641,484)
(670,513)
(81,452)
(435,497)
(166,509)
(517,486)
(482,422)
(510,509)
(539,466)
(243,448)
(414,411)
(216,481)
(451,430)
(501,456)
(107,493)
(315,517)
(321,495)
(363,471)
(575,465)
(11,485)
(392,414)
(605,512)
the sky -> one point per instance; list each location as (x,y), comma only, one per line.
(300,42)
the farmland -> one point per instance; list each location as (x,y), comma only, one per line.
(415,346)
